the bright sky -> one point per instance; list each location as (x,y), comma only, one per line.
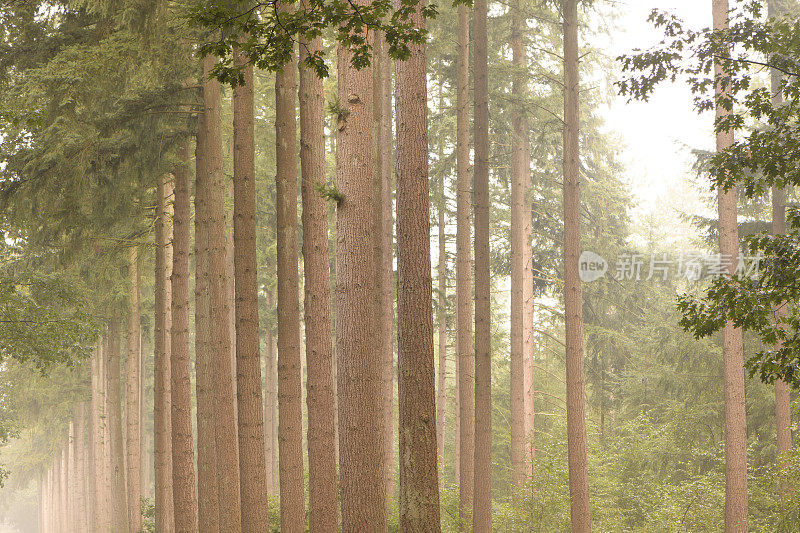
(658,134)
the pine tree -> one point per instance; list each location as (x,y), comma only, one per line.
(133,389)
(183,476)
(252,462)
(323,511)
(464,345)
(732,349)
(119,499)
(358,368)
(162,426)
(573,301)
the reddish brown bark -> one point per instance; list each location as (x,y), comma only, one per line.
(225,434)
(183,477)
(162,421)
(322,487)
(419,484)
(580,513)
(290,407)
(464,346)
(363,495)
(732,349)
(119,499)
(252,461)
(387,269)
(482,499)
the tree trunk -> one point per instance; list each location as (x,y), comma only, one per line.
(72,478)
(225,435)
(386,311)
(419,483)
(783,410)
(319,386)
(96,459)
(359,362)
(270,402)
(441,311)
(573,300)
(80,470)
(119,500)
(482,504)
(207,484)
(64,521)
(464,346)
(252,462)
(520,256)
(183,478)
(290,407)
(161,358)
(133,365)
(732,349)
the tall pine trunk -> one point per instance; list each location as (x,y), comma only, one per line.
(464,346)
(225,434)
(133,399)
(319,396)
(386,312)
(183,477)
(732,349)
(79,446)
(162,421)
(482,499)
(97,485)
(119,499)
(359,362)
(441,307)
(419,483)
(207,485)
(520,258)
(580,513)
(290,407)
(252,462)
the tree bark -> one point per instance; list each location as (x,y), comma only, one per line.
(252,462)
(164,520)
(119,497)
(72,478)
(387,269)
(64,520)
(319,396)
(80,470)
(482,504)
(441,310)
(290,407)
(732,348)
(225,434)
(97,486)
(580,513)
(133,366)
(207,484)
(183,477)
(359,362)
(520,255)
(464,346)
(419,483)
(270,403)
